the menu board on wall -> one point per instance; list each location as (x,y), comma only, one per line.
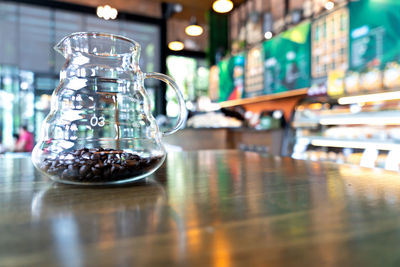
(330,43)
(254,82)
(231,78)
(287,60)
(238,77)
(374,33)
(254,23)
(225,67)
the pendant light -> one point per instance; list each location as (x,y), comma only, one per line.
(193,29)
(176,45)
(106,12)
(222,6)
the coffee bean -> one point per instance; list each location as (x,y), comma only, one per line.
(84,170)
(96,171)
(132,162)
(86,155)
(107,172)
(114,170)
(98,165)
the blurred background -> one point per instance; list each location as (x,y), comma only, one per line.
(300,78)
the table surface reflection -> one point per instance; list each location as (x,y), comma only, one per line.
(205,208)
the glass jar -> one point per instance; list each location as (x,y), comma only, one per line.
(100,129)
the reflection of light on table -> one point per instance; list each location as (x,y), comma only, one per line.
(371,183)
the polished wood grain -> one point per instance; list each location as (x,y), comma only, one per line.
(206,208)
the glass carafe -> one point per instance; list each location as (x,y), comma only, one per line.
(100,129)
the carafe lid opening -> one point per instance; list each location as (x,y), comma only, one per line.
(97,43)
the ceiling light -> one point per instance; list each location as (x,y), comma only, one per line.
(268,35)
(329,5)
(222,6)
(176,45)
(106,12)
(193,29)
(100,11)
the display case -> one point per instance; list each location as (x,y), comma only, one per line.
(354,132)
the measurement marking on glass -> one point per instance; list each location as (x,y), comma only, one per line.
(94,121)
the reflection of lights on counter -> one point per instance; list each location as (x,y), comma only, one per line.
(355,144)
(358,121)
(369,98)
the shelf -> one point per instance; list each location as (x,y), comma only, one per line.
(375,97)
(391,117)
(349,143)
(264,98)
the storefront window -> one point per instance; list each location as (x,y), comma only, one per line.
(191,75)
(29,67)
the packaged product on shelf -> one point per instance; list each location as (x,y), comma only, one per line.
(213,88)
(352,82)
(391,75)
(231,78)
(287,60)
(238,77)
(254,82)
(336,82)
(371,80)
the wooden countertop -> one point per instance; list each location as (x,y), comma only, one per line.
(207,208)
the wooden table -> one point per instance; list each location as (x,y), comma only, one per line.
(207,208)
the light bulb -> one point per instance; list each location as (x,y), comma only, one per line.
(268,35)
(222,6)
(107,12)
(176,45)
(100,11)
(113,13)
(329,5)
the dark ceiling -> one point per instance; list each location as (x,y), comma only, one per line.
(152,8)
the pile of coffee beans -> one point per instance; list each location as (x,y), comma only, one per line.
(98,165)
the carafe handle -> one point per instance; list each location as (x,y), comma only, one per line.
(182,108)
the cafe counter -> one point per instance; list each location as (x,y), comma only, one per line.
(205,208)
